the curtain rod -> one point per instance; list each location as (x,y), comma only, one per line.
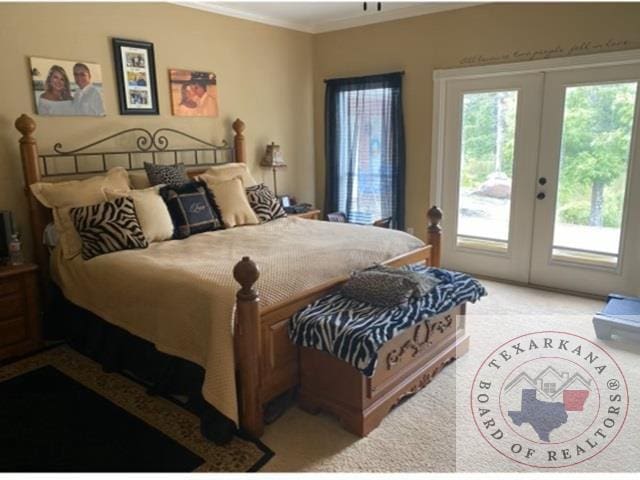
(401,72)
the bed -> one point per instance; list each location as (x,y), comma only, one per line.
(239,336)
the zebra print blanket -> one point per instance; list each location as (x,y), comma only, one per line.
(354,331)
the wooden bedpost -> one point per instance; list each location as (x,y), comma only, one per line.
(37,212)
(238,141)
(247,346)
(434,234)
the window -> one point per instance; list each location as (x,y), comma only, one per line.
(365,148)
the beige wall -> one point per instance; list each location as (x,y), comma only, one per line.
(272,78)
(490,33)
(264,78)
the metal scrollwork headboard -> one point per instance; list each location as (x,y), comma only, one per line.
(151,146)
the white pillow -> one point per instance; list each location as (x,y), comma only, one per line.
(231,199)
(152,212)
(227,171)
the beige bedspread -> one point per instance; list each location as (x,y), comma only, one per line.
(180,294)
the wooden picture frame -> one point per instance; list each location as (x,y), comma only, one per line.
(136,77)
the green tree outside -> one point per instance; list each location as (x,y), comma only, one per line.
(596,139)
(594,156)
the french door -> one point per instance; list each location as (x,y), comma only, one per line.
(540,176)
(491,141)
(587,211)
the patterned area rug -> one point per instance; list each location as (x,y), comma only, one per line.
(62,405)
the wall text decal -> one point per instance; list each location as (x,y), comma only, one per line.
(580,48)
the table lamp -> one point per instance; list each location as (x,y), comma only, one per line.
(273,159)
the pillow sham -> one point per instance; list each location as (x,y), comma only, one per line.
(227,171)
(264,203)
(151,211)
(232,201)
(192,209)
(108,227)
(173,175)
(61,196)
(139,180)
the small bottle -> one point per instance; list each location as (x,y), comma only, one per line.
(15,251)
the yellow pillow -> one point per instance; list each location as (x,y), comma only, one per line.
(227,171)
(139,181)
(151,211)
(232,201)
(63,196)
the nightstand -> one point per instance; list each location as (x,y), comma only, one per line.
(19,310)
(311,215)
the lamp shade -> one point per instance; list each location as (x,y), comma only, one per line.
(273,157)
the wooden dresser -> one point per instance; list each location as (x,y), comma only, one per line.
(20,331)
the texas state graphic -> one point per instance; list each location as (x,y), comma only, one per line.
(545,417)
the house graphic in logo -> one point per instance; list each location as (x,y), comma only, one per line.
(546,399)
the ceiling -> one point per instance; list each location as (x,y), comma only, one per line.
(317,17)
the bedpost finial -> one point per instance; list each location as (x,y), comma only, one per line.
(25,125)
(435,216)
(238,126)
(246,274)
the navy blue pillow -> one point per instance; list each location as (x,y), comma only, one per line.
(192,207)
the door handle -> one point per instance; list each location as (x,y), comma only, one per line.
(542,181)
(541,196)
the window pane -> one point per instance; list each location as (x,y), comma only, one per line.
(365,168)
(594,161)
(486,164)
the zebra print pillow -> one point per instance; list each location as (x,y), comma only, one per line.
(108,227)
(264,203)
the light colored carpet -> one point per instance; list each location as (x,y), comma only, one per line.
(420,435)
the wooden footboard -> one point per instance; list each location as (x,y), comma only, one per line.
(267,361)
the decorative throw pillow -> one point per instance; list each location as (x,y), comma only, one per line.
(378,288)
(139,180)
(108,227)
(232,201)
(227,171)
(61,196)
(192,209)
(264,203)
(421,283)
(151,210)
(173,175)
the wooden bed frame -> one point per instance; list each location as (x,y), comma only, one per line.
(267,363)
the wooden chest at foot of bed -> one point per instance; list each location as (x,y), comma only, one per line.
(406,364)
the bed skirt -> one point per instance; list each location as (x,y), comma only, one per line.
(120,351)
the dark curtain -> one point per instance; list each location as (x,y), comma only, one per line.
(364,148)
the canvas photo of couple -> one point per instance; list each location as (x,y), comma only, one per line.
(193,94)
(67,88)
